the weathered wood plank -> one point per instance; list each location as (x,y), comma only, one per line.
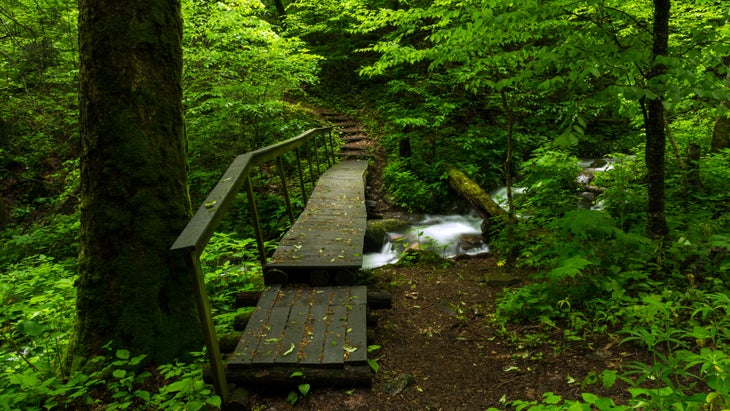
(316,328)
(270,343)
(256,327)
(308,327)
(334,344)
(280,377)
(359,295)
(291,343)
(356,341)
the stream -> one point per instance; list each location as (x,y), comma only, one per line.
(447,235)
(454,235)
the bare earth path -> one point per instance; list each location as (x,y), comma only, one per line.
(441,350)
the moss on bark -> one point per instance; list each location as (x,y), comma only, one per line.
(131,290)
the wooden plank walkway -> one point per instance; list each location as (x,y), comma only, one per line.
(319,331)
(325,244)
(313,332)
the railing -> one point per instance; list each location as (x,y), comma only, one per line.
(194,238)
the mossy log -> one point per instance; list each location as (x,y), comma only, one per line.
(281,377)
(479,199)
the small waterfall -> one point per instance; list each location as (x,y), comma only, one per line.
(447,235)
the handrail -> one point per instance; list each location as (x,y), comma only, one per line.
(200,228)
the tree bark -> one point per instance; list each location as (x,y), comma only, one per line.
(280,10)
(134,201)
(478,199)
(4,214)
(654,122)
(721,131)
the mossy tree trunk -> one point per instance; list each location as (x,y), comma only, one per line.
(479,200)
(134,201)
(654,122)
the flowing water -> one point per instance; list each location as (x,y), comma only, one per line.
(447,235)
(453,235)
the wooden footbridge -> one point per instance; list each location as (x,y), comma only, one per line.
(309,325)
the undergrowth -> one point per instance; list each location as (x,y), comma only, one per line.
(36,312)
(601,277)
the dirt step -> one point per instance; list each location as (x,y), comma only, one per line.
(351,138)
(347,125)
(352,130)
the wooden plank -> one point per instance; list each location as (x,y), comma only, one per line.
(334,344)
(286,297)
(348,376)
(316,328)
(294,333)
(340,296)
(255,329)
(269,344)
(358,295)
(356,341)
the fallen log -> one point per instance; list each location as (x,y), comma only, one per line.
(348,376)
(479,199)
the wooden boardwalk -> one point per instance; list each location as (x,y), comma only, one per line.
(320,332)
(325,244)
(310,324)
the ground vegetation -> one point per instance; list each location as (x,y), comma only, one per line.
(618,305)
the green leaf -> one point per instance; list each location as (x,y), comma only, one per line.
(215,401)
(608,378)
(123,354)
(145,395)
(373,365)
(175,386)
(136,360)
(119,373)
(32,328)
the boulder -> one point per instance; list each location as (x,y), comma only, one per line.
(376,230)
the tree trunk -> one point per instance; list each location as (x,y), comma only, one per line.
(134,202)
(721,131)
(404,147)
(693,167)
(4,214)
(655,134)
(478,199)
(280,10)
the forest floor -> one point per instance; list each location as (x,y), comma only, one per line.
(441,347)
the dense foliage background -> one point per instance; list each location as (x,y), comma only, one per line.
(503,90)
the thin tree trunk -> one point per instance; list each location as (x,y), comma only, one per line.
(131,291)
(721,131)
(4,214)
(280,10)
(655,134)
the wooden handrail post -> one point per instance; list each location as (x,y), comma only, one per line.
(316,157)
(327,151)
(206,323)
(309,162)
(256,224)
(332,146)
(284,189)
(301,175)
